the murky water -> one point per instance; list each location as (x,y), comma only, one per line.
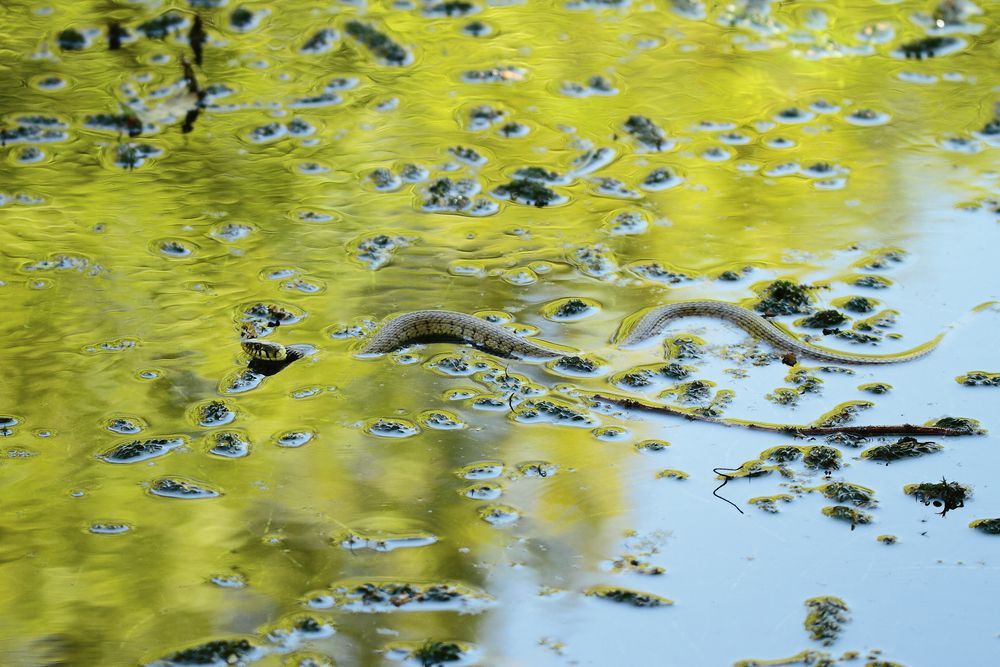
(556,166)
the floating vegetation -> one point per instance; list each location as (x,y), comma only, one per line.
(176,487)
(553,411)
(944,494)
(528,192)
(783,297)
(385,596)
(979,379)
(383,541)
(769,504)
(431,653)
(499,515)
(135,451)
(570,309)
(229,444)
(385,50)
(627,596)
(214,653)
(392,428)
(821,457)
(827,616)
(960,425)
(670,473)
(824,319)
(848,514)
(845,492)
(904,448)
(988,526)
(648,134)
(887,539)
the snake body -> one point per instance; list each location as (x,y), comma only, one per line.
(651,323)
(432,326)
(424,326)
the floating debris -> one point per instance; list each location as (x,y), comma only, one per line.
(628,597)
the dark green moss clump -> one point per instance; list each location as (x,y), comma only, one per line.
(904,448)
(872,282)
(844,492)
(927,47)
(848,514)
(571,308)
(71,39)
(645,131)
(824,319)
(961,425)
(226,651)
(577,365)
(859,304)
(944,494)
(979,379)
(822,457)
(383,48)
(783,454)
(537,174)
(451,8)
(626,596)
(876,388)
(438,653)
(528,192)
(988,526)
(162,25)
(826,617)
(140,450)
(783,297)
(684,347)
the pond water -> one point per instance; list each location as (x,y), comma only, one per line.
(181,176)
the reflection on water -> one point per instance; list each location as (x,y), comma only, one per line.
(197,194)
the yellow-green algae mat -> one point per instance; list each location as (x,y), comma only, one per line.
(175,173)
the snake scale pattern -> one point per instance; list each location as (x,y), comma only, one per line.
(444,325)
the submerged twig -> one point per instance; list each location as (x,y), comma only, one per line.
(900,429)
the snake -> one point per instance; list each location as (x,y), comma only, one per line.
(424,326)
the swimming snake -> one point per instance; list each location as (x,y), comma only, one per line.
(444,325)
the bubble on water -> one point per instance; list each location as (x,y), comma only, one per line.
(311,215)
(231,232)
(149,374)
